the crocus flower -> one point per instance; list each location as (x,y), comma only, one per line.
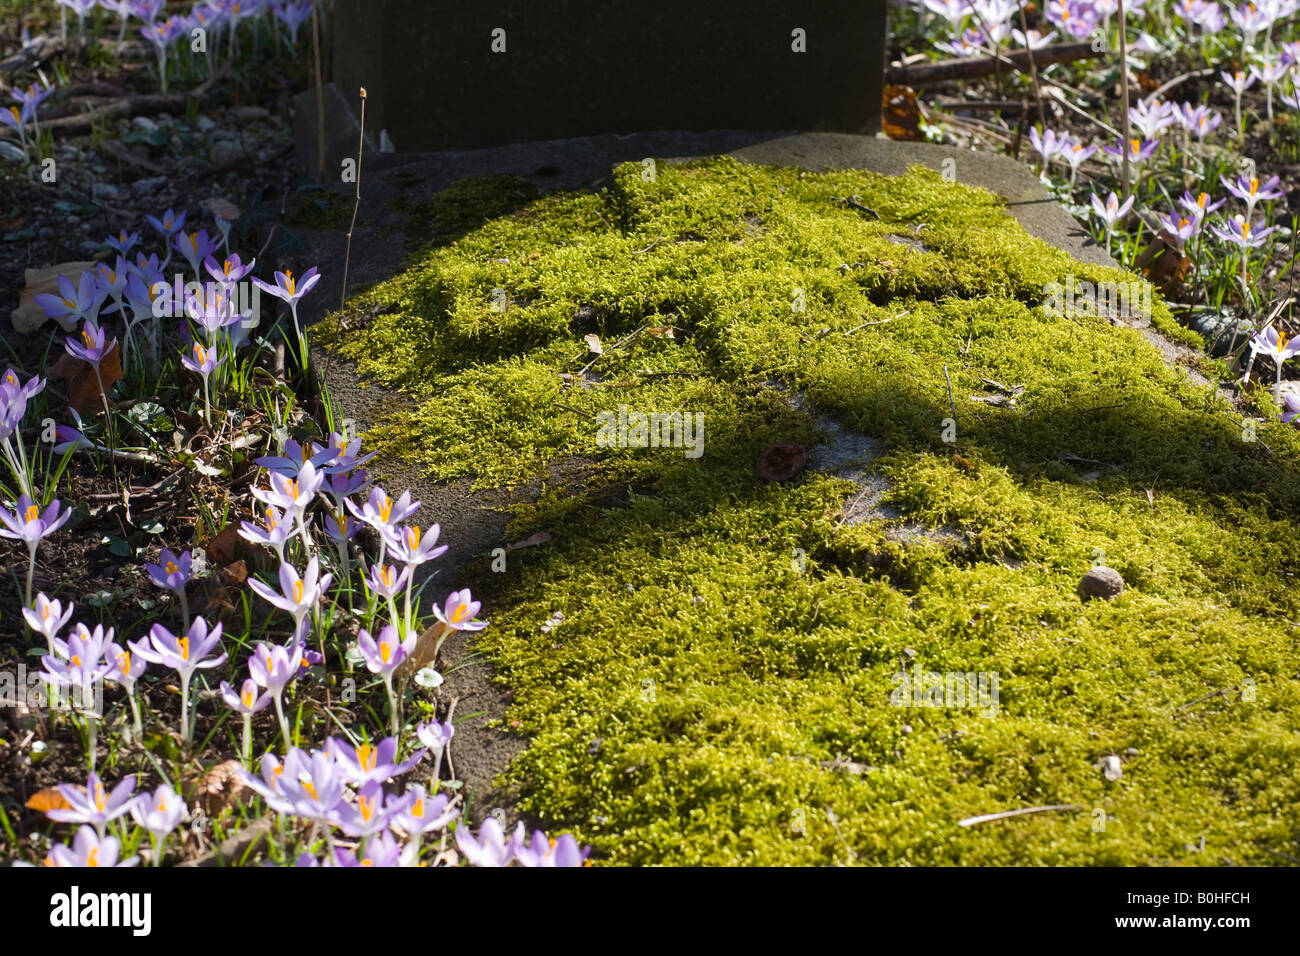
(1138,150)
(1277,347)
(1239,82)
(968,43)
(296,455)
(384,654)
(385,580)
(124,669)
(291,290)
(435,735)
(183,655)
(372,813)
(78,664)
(1149,118)
(168,227)
(1242,234)
(1292,402)
(1035,39)
(203,362)
(1075,155)
(162,35)
(380,511)
(459,610)
(273,531)
(1199,205)
(562,851)
(47,618)
(229,271)
(491,848)
(424,813)
(292,495)
(298,594)
(124,242)
(1180,228)
(314,792)
(89,849)
(1048,145)
(1111,211)
(172,570)
(94,806)
(381,850)
(1251,192)
(292,16)
(365,763)
(91,347)
(29,524)
(159,813)
(274,666)
(195,247)
(267,785)
(1200,121)
(247,700)
(74,303)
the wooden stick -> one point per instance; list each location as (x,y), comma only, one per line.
(946,71)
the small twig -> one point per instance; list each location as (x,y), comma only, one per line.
(575,411)
(1223,692)
(952,406)
(451,768)
(989,817)
(320,88)
(835,824)
(361,150)
(878,322)
(855,202)
(656,242)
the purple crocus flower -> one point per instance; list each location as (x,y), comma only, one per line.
(30,524)
(1149,118)
(195,247)
(47,618)
(92,346)
(424,814)
(1200,121)
(562,851)
(372,813)
(435,736)
(384,654)
(229,270)
(159,812)
(124,242)
(292,16)
(247,700)
(167,227)
(1242,234)
(365,763)
(1180,228)
(183,655)
(459,610)
(94,806)
(292,495)
(298,594)
(340,527)
(1138,150)
(274,666)
(491,848)
(172,570)
(273,531)
(381,850)
(380,511)
(268,784)
(124,668)
(1276,346)
(1251,192)
(74,303)
(78,663)
(412,547)
(89,849)
(1292,402)
(296,455)
(287,288)
(1199,205)
(314,792)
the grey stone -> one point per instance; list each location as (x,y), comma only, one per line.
(246,113)
(205,122)
(577,67)
(150,185)
(1101,582)
(105,191)
(144,123)
(225,151)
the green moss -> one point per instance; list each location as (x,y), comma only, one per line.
(729,645)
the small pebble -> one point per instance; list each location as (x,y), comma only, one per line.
(1131,752)
(1110,767)
(144,123)
(1101,582)
(205,123)
(907,728)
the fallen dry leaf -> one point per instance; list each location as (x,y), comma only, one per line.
(593,343)
(47,799)
(221,549)
(532,541)
(222,207)
(82,383)
(219,788)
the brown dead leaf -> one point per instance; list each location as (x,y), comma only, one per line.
(901,114)
(46,800)
(533,540)
(235,573)
(221,549)
(426,648)
(29,316)
(82,383)
(662,331)
(593,343)
(219,788)
(224,208)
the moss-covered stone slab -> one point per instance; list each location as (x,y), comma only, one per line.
(749,671)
